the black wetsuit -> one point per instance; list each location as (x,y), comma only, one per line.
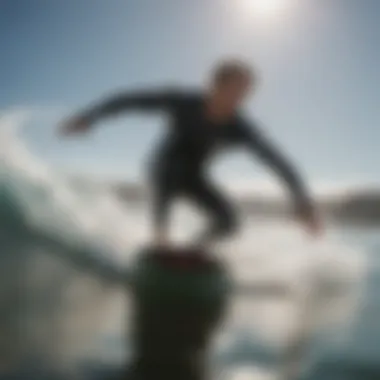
(180,163)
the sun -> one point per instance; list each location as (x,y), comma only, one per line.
(265,6)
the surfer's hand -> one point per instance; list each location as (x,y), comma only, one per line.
(310,219)
(75,125)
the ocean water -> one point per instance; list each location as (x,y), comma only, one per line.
(64,314)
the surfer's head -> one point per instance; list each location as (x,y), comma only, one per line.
(232,81)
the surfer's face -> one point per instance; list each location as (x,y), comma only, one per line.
(233,91)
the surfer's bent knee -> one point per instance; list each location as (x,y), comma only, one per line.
(227,225)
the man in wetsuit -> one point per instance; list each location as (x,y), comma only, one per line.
(201,122)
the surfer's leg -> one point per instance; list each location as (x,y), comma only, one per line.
(223,216)
(163,197)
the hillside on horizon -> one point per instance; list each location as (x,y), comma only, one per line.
(359,206)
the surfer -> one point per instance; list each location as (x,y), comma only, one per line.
(201,123)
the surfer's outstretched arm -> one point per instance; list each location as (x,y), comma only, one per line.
(145,101)
(262,147)
(164,100)
(276,160)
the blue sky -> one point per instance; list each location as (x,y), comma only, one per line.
(319,61)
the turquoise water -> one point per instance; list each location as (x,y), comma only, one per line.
(63,312)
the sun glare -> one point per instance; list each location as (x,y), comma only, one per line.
(265,6)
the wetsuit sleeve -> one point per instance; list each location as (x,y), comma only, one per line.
(141,101)
(262,147)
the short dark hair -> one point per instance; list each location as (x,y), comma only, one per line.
(230,69)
